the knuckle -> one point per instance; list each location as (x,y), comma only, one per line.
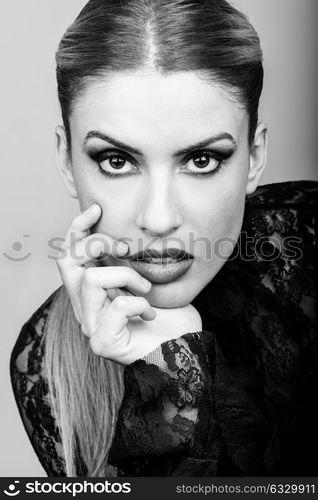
(119,302)
(143,302)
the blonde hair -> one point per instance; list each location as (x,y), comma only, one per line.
(85,390)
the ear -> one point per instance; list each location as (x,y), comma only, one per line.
(258,158)
(64,161)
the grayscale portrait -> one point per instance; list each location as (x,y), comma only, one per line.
(160,256)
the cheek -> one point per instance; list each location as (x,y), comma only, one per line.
(220,209)
(118,206)
(116,214)
(85,179)
(92,187)
(228,222)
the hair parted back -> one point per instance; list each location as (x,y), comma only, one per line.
(210,37)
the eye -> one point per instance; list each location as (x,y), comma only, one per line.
(205,162)
(114,164)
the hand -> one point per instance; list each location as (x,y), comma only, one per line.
(119,324)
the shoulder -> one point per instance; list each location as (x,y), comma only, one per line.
(283,215)
(281,223)
(280,194)
(276,255)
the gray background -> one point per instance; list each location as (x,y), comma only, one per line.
(34,204)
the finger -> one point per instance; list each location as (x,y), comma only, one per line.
(91,248)
(83,252)
(92,305)
(94,287)
(115,277)
(82,223)
(116,316)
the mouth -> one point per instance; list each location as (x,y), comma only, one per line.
(167,256)
(162,267)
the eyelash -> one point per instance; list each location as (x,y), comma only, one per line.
(98,158)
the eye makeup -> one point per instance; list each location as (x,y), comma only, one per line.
(217,154)
(107,154)
(220,156)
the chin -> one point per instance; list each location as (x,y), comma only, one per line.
(171,295)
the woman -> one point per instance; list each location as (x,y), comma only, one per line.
(191,350)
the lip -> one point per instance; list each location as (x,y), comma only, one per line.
(171,253)
(162,272)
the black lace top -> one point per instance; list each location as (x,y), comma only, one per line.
(238,398)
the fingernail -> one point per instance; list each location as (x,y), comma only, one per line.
(93,207)
(122,248)
(146,282)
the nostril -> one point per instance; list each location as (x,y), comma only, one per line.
(159,223)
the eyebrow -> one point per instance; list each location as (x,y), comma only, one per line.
(202,144)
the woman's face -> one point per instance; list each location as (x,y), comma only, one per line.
(168,161)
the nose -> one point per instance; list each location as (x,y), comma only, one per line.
(159,215)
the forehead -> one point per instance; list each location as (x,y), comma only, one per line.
(147,104)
